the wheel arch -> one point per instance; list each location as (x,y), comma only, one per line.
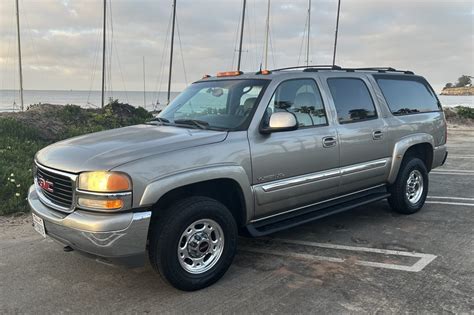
(420,145)
(229,185)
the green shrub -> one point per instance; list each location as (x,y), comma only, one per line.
(465,112)
(22,135)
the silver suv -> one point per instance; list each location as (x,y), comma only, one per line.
(252,153)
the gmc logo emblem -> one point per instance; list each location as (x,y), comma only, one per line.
(45,184)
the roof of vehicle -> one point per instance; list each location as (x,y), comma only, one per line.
(270,74)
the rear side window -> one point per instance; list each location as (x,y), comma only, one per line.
(407,95)
(352,100)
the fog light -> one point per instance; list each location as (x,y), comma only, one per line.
(107,204)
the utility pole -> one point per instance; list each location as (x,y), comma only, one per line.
(103,54)
(171,51)
(19,53)
(241,34)
(309,30)
(144,84)
(267,34)
(335,35)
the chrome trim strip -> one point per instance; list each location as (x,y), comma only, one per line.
(70,175)
(299,180)
(316,203)
(363,166)
(312,177)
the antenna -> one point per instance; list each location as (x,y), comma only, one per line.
(241,34)
(335,35)
(19,53)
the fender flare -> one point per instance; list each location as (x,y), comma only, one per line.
(400,149)
(160,186)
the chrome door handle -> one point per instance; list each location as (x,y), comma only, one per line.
(377,135)
(329,142)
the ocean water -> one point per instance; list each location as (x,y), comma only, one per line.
(10,99)
(135,98)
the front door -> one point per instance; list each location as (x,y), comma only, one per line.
(295,168)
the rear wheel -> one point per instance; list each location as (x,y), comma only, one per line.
(193,243)
(408,193)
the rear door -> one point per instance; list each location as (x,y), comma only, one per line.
(292,169)
(362,132)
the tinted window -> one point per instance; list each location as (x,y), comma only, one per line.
(302,98)
(407,96)
(352,100)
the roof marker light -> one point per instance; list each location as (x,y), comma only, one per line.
(229,73)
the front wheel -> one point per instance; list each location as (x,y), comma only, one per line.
(408,193)
(193,243)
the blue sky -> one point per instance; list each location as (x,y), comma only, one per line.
(61,39)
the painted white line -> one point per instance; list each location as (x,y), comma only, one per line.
(442,170)
(442,173)
(424,260)
(461,156)
(452,198)
(450,203)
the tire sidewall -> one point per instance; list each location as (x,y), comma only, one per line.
(170,237)
(414,164)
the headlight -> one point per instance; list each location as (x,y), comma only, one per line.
(104,181)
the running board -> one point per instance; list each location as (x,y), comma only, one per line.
(312,213)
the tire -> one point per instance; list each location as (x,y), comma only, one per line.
(408,198)
(193,243)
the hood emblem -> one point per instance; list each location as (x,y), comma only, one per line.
(45,184)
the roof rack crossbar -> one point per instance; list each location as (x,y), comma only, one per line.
(326,67)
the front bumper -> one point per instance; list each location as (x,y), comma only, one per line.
(115,237)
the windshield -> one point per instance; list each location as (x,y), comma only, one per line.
(224,104)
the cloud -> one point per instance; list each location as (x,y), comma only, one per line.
(62,39)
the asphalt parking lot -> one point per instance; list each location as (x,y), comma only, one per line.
(366,260)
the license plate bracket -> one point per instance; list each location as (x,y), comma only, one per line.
(38,225)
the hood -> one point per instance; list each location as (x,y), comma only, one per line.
(108,149)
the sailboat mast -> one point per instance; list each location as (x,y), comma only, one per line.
(103,53)
(267,33)
(171,51)
(144,84)
(309,30)
(241,34)
(19,53)
(335,35)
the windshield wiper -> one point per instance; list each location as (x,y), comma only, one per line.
(159,119)
(193,122)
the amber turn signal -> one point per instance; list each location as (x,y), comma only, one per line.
(107,204)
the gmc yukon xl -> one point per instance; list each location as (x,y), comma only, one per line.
(250,153)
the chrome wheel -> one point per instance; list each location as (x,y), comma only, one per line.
(414,187)
(200,246)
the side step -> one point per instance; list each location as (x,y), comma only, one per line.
(312,213)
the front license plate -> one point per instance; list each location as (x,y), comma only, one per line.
(38,224)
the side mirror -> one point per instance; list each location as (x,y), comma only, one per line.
(280,121)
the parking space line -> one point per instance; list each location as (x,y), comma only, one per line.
(450,203)
(424,260)
(461,156)
(447,170)
(446,173)
(447,197)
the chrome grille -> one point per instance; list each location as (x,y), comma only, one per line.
(61,191)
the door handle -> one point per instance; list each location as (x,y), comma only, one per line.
(329,142)
(377,135)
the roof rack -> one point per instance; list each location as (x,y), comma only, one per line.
(315,68)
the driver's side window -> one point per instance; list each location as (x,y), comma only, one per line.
(300,97)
